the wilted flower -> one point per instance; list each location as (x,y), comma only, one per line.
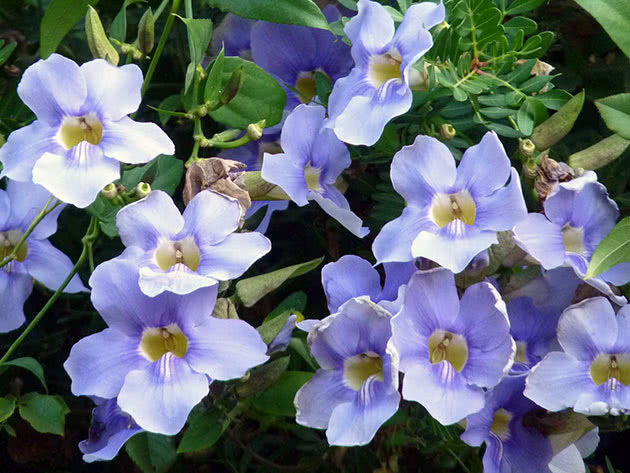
(356,389)
(312,160)
(451,350)
(379,87)
(592,375)
(452,214)
(181,254)
(82,132)
(158,354)
(37,258)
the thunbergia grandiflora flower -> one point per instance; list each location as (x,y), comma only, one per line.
(592,375)
(513,442)
(451,350)
(234,35)
(352,276)
(183,253)
(379,87)
(311,161)
(36,258)
(292,54)
(452,214)
(578,215)
(356,389)
(82,132)
(109,430)
(158,354)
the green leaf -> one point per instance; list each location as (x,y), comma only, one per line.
(615,110)
(559,124)
(277,400)
(7,407)
(323,87)
(118,28)
(6,51)
(520,23)
(251,290)
(522,6)
(153,453)
(200,30)
(163,173)
(271,328)
(504,130)
(212,90)
(106,212)
(60,17)
(289,12)
(30,364)
(496,113)
(296,301)
(299,346)
(600,154)
(45,413)
(203,431)
(531,113)
(349,4)
(614,16)
(260,97)
(169,104)
(261,377)
(613,249)
(554,99)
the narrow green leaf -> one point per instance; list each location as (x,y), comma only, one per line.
(153,453)
(613,249)
(5,52)
(554,99)
(169,104)
(614,16)
(7,407)
(60,17)
(203,431)
(212,90)
(559,124)
(289,12)
(615,110)
(271,328)
(251,290)
(45,413)
(522,6)
(200,30)
(524,24)
(118,28)
(30,364)
(277,400)
(600,154)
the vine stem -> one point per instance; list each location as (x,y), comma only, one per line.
(160,47)
(38,218)
(88,239)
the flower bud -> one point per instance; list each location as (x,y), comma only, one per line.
(255,130)
(99,45)
(447,131)
(224,309)
(146,33)
(526,147)
(109,191)
(233,86)
(142,190)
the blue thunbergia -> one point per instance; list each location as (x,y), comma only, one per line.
(82,132)
(452,214)
(292,54)
(234,35)
(109,430)
(158,354)
(356,389)
(592,375)
(183,253)
(451,350)
(312,160)
(36,258)
(379,87)
(578,215)
(352,276)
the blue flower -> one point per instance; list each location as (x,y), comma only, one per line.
(450,351)
(578,215)
(592,375)
(82,132)
(158,354)
(181,254)
(37,259)
(356,389)
(452,214)
(292,55)
(379,87)
(109,430)
(312,160)
(234,35)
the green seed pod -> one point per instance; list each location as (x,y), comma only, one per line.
(233,86)
(146,33)
(97,39)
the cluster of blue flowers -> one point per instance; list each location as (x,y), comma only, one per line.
(491,361)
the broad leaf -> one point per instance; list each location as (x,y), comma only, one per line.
(278,399)
(60,17)
(30,364)
(118,28)
(614,16)
(613,249)
(615,110)
(7,407)
(153,453)
(163,173)
(45,413)
(203,431)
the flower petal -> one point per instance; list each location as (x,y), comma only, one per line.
(287,172)
(50,266)
(316,400)
(393,243)
(542,239)
(178,279)
(211,217)
(15,287)
(230,258)
(485,167)
(27,200)
(346,217)
(348,277)
(134,142)
(370,30)
(502,209)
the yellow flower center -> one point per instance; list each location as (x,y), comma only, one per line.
(501,423)
(311,175)
(448,207)
(446,346)
(74,130)
(358,368)
(611,367)
(384,67)
(8,241)
(521,352)
(306,86)
(184,251)
(573,239)
(157,341)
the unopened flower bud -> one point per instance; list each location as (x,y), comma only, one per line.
(233,86)
(447,131)
(255,130)
(146,33)
(530,169)
(143,189)
(98,43)
(526,147)
(109,191)
(442,26)
(224,309)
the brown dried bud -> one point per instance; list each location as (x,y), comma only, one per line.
(550,173)
(220,175)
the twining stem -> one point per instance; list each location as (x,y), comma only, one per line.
(88,239)
(38,218)
(160,47)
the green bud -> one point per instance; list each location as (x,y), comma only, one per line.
(97,39)
(526,147)
(142,190)
(109,191)
(447,131)
(233,86)
(530,168)
(146,33)
(255,130)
